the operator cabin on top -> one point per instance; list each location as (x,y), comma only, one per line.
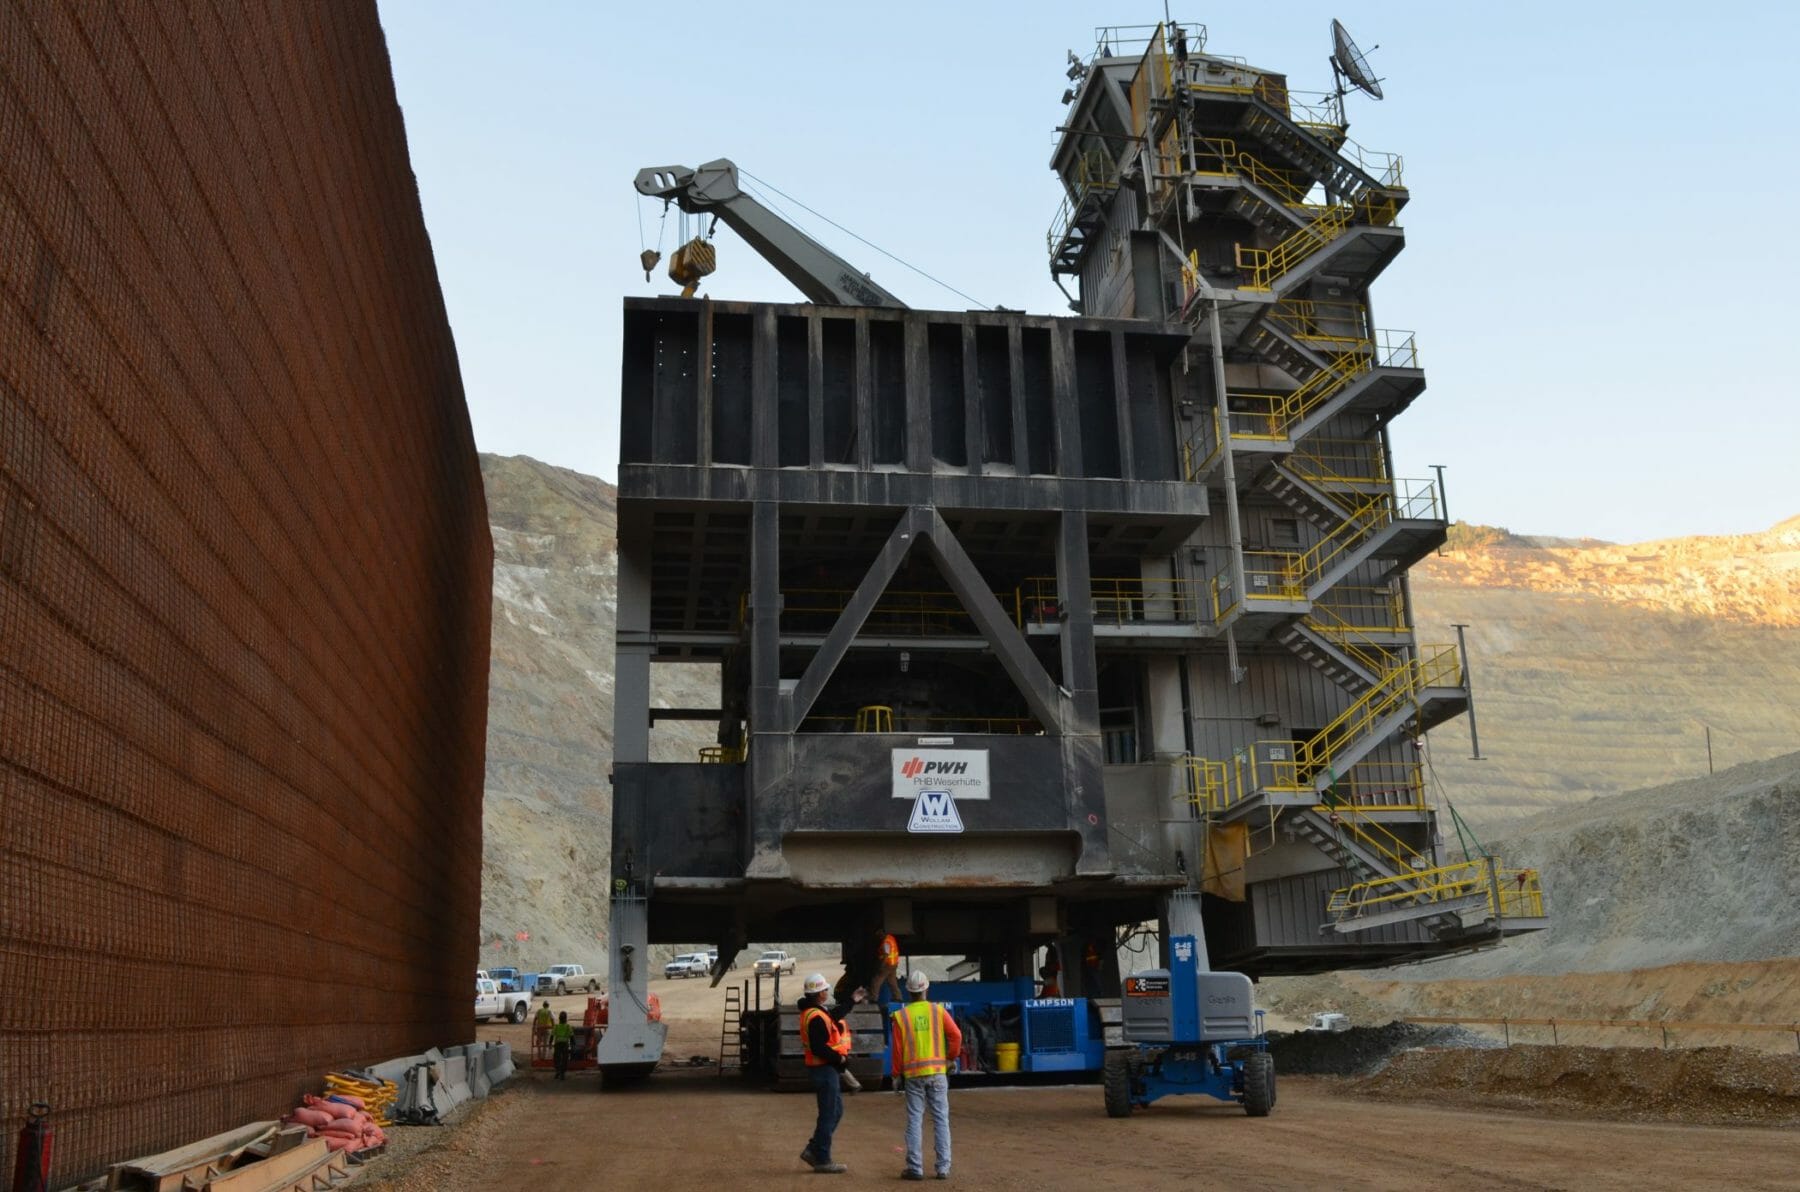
(1030,629)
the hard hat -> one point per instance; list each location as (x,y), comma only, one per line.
(816,983)
(917,981)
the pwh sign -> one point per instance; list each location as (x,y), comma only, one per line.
(934,811)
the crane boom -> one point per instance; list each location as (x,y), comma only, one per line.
(712,189)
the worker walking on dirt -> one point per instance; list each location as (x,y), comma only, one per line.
(887,965)
(544,1020)
(562,1037)
(825,1041)
(925,1037)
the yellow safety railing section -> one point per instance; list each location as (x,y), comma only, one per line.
(1342,325)
(1388,786)
(1268,576)
(1214,786)
(1290,576)
(1354,640)
(1116,601)
(1273,417)
(1364,609)
(900,613)
(724,754)
(999,726)
(1436,666)
(1220,157)
(1417,501)
(1328,462)
(1266,266)
(1096,175)
(1509,893)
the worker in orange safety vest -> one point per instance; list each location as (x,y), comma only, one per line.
(887,966)
(924,1042)
(825,1042)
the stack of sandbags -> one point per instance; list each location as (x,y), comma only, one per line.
(374,1094)
(342,1121)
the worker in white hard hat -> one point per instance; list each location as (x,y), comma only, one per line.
(925,1040)
(825,1041)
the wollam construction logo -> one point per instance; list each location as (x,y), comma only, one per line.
(962,773)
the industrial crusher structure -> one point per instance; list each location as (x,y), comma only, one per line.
(1031,629)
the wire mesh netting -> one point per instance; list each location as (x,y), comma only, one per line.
(244,575)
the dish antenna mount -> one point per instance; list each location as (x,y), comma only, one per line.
(1348,66)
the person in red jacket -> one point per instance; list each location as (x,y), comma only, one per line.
(923,1044)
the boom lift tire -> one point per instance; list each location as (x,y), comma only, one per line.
(1116,1079)
(1259,1084)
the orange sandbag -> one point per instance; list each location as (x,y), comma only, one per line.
(336,1109)
(338,1142)
(343,1127)
(307,1116)
(348,1099)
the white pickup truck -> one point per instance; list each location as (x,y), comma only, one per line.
(567,978)
(491,1003)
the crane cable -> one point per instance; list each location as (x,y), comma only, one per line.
(743,173)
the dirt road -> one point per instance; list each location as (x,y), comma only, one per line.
(687,1128)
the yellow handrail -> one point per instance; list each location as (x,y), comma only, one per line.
(1364,787)
(1117,600)
(1323,321)
(997,726)
(1519,892)
(1362,609)
(1441,667)
(1330,461)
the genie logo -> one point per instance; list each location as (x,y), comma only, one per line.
(962,773)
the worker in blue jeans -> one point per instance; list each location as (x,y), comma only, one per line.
(825,1041)
(924,1043)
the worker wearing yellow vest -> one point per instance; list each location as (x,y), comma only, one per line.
(825,1041)
(925,1040)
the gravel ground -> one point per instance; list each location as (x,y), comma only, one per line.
(1701,1086)
(1361,1050)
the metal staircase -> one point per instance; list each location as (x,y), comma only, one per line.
(1345,169)
(1342,666)
(1394,703)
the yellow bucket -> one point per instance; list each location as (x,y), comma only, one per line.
(1007,1056)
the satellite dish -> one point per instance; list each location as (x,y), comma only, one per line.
(1349,65)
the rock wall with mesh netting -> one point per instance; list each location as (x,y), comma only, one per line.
(244,575)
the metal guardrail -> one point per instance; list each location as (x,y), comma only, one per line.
(1117,601)
(902,722)
(908,613)
(1214,786)
(1507,1022)
(1509,893)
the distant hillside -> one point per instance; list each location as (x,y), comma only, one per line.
(1600,668)
(1706,869)
(548,816)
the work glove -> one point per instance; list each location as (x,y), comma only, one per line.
(899,1084)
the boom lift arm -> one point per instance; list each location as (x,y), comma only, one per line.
(712,189)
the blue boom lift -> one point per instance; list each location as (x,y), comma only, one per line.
(1189,1032)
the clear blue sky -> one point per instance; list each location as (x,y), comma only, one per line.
(1601,265)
